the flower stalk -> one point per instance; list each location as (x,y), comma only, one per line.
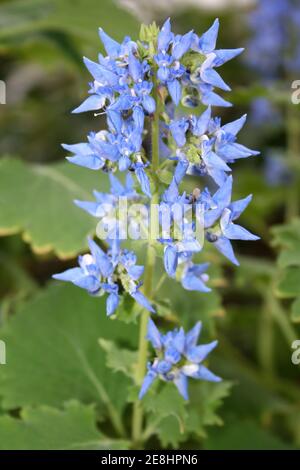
(137,418)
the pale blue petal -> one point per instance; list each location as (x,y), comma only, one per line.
(88,161)
(211,98)
(237,207)
(112,303)
(142,300)
(138,117)
(69,275)
(208,40)
(192,335)
(224,246)
(79,149)
(100,73)
(236,232)
(182,45)
(223,55)
(148,380)
(202,122)
(179,341)
(172,355)
(90,207)
(164,36)
(212,77)
(181,383)
(135,67)
(149,104)
(194,283)
(199,353)
(205,374)
(92,103)
(111,46)
(170,260)
(143,180)
(154,335)
(234,127)
(89,283)
(135,272)
(174,90)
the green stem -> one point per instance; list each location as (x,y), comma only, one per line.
(137,418)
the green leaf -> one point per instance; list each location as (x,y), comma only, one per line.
(80,18)
(243,436)
(53,354)
(287,238)
(295,311)
(289,286)
(206,399)
(173,420)
(119,359)
(166,413)
(47,428)
(37,200)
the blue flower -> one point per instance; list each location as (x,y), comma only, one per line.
(177,358)
(194,276)
(118,149)
(170,49)
(213,145)
(101,272)
(204,77)
(219,215)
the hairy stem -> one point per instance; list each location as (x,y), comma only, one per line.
(137,419)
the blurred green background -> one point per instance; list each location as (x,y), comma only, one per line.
(254,310)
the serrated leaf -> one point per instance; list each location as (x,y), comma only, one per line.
(173,420)
(119,359)
(37,200)
(166,411)
(206,399)
(46,428)
(53,353)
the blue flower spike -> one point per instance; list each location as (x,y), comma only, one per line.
(138,86)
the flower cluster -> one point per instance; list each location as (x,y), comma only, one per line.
(177,358)
(101,272)
(138,85)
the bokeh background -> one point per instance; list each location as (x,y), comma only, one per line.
(47,386)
